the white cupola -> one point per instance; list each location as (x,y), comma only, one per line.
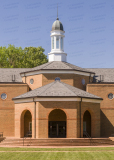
(57,42)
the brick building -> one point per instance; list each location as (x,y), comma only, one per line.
(57,99)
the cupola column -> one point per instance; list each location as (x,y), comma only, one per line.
(59,42)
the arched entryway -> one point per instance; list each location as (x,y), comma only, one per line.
(87,124)
(57,124)
(26,124)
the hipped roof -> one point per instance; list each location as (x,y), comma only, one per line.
(57,89)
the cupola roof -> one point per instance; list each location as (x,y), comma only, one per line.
(57,25)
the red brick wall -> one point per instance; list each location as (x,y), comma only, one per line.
(7,106)
(107,107)
(43,79)
(37,81)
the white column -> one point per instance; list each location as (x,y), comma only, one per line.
(34,119)
(51,43)
(59,43)
(63,44)
(54,42)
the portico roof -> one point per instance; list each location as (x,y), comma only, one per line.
(57,89)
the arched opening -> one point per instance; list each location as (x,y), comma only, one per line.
(87,124)
(57,124)
(26,124)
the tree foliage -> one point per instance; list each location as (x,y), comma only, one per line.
(16,57)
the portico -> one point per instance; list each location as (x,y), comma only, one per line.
(56,113)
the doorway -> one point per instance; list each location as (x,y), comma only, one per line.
(57,124)
(57,129)
(87,124)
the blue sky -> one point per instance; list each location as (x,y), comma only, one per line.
(88,25)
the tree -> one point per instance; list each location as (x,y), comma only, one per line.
(16,57)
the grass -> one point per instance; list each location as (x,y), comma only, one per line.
(57,156)
(58,149)
(95,153)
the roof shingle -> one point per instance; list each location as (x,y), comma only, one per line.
(107,73)
(7,73)
(57,89)
(58,65)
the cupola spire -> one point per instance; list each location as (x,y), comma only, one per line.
(57,13)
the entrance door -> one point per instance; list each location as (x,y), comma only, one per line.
(57,129)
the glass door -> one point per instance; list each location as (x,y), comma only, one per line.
(57,129)
(62,129)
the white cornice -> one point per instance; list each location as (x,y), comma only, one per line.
(57,32)
(55,72)
(27,100)
(57,35)
(91,100)
(59,52)
(57,99)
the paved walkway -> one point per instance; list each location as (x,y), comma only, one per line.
(7,146)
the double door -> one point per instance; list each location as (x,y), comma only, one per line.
(57,129)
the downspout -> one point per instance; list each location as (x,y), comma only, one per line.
(80,116)
(25,77)
(90,78)
(34,118)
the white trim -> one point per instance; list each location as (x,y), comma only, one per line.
(91,100)
(55,72)
(57,32)
(57,52)
(57,99)
(57,35)
(27,100)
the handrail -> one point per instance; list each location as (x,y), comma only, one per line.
(88,136)
(26,136)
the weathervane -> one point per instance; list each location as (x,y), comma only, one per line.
(57,12)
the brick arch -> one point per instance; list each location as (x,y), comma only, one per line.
(26,117)
(24,110)
(54,109)
(59,118)
(90,111)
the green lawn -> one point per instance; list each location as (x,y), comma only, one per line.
(103,153)
(58,149)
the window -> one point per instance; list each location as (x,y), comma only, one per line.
(57,79)
(83,81)
(61,42)
(30,126)
(57,42)
(31,81)
(52,42)
(3,96)
(110,96)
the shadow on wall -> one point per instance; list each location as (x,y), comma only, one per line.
(107,129)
